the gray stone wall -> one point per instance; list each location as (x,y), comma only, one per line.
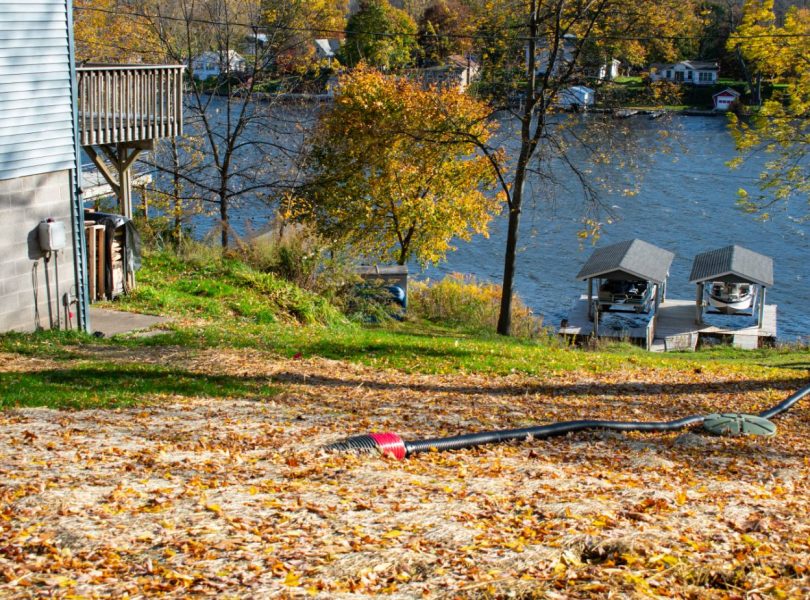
(24,202)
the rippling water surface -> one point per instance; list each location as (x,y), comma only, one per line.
(686,204)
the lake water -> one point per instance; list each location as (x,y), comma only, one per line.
(686,204)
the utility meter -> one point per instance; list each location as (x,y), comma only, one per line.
(52,235)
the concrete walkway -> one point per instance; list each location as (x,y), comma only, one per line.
(113,322)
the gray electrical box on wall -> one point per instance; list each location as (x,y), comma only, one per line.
(52,236)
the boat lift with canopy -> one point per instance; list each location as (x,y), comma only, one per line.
(627,262)
(732,265)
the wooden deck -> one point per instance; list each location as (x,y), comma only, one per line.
(129,103)
(674,327)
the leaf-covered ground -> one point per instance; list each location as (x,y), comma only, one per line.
(195,495)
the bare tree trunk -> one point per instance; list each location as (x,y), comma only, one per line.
(510,256)
(177,188)
(754,81)
(223,216)
(516,200)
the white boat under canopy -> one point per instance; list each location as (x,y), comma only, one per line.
(731,296)
(733,279)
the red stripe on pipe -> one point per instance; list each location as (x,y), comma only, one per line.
(390,443)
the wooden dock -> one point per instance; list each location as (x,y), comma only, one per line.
(673,327)
(628,326)
(676,328)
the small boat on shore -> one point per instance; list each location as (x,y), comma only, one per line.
(731,297)
(624,113)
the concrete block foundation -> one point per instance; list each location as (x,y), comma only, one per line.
(24,293)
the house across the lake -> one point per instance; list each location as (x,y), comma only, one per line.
(723,100)
(696,72)
(606,71)
(327,48)
(213,64)
(567,51)
(576,97)
(458,72)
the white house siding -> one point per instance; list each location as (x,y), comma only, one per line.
(36,153)
(685,73)
(211,64)
(36,134)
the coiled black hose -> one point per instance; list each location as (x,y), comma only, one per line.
(391,443)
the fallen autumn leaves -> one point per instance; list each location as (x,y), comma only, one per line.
(234,497)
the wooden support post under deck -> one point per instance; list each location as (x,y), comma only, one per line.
(761,308)
(699,304)
(125,196)
(122,156)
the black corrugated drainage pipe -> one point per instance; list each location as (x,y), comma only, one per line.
(391,443)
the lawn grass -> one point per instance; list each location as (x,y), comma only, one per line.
(227,305)
(215,289)
(103,384)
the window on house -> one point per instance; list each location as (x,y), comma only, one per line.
(705,76)
(669,74)
(678,75)
(689,75)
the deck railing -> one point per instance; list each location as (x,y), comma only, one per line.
(129,103)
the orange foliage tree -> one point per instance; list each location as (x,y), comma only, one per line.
(393,173)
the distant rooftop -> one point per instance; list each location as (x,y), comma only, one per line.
(630,260)
(328,48)
(697,65)
(732,264)
(703,65)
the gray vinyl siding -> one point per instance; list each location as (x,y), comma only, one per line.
(36,118)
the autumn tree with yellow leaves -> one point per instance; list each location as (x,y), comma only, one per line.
(109,31)
(291,26)
(393,173)
(781,126)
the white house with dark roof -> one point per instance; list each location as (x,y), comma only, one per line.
(696,72)
(213,64)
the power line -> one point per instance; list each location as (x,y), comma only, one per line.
(394,34)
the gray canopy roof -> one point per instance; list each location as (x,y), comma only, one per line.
(631,259)
(732,264)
